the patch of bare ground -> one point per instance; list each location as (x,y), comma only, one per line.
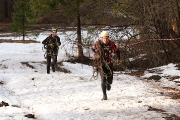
(178,66)
(88,61)
(28,65)
(174,93)
(168,115)
(60,69)
(1,83)
(5,27)
(173,77)
(18,41)
(58,66)
(119,67)
(156,78)
(3,103)
(155,70)
(30,116)
(84,60)
(136,73)
(17,106)
(3,66)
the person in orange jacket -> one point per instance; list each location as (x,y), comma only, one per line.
(103,50)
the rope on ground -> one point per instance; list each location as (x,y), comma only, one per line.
(95,73)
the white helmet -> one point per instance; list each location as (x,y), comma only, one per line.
(104,34)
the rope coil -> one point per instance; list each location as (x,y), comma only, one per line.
(50,52)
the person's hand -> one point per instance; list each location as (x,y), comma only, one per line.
(57,44)
(51,44)
(118,62)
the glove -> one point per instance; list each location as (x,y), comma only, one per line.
(51,44)
(118,62)
(57,44)
(96,56)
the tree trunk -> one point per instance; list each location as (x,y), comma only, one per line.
(80,49)
(23,27)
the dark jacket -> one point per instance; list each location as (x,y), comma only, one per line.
(52,44)
(52,40)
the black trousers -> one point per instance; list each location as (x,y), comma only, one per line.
(106,74)
(54,58)
(51,53)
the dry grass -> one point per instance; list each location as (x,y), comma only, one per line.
(18,41)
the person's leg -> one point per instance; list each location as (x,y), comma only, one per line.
(54,62)
(109,81)
(55,53)
(48,63)
(103,84)
(109,76)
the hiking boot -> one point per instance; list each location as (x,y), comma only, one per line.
(108,86)
(104,97)
(48,71)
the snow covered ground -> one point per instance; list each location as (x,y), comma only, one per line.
(26,87)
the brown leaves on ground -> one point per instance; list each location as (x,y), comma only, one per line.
(174,93)
(28,65)
(168,116)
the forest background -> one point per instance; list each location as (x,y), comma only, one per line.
(151,27)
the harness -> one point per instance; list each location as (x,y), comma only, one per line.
(105,58)
(51,49)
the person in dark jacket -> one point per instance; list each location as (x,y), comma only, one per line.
(51,44)
(103,50)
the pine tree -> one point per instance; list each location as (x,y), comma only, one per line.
(42,8)
(22,17)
